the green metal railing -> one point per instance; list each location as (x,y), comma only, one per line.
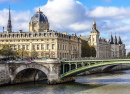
(84,65)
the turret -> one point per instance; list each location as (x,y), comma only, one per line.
(115,39)
(94,34)
(119,40)
(111,39)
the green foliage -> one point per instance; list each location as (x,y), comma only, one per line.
(21,53)
(87,50)
(128,55)
(34,54)
(92,51)
(6,50)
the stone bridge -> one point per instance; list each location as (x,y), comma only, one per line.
(12,73)
(52,70)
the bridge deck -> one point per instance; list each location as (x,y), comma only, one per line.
(88,64)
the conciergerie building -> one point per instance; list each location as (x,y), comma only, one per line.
(112,48)
(47,43)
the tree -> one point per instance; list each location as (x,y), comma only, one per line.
(6,50)
(34,54)
(92,51)
(128,55)
(22,53)
(85,49)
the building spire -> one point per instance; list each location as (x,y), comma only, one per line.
(94,23)
(9,26)
(111,39)
(115,39)
(39,6)
(119,40)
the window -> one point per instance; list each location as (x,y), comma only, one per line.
(23,47)
(27,47)
(15,47)
(52,39)
(63,47)
(42,46)
(53,46)
(47,39)
(42,40)
(37,47)
(33,47)
(58,46)
(47,46)
(19,47)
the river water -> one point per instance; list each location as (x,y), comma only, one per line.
(104,83)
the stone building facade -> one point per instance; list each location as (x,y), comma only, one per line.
(113,48)
(48,43)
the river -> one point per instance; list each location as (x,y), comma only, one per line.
(104,83)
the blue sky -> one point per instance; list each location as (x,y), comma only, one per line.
(73,16)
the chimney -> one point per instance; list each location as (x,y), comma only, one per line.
(20,31)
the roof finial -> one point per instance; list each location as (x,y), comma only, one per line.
(94,21)
(39,6)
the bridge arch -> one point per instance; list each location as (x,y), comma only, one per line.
(27,73)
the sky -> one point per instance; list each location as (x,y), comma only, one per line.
(72,16)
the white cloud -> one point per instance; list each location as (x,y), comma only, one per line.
(110,12)
(65,14)
(20,20)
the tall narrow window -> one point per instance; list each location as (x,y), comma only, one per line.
(27,47)
(19,47)
(47,46)
(15,47)
(58,46)
(42,46)
(33,47)
(37,47)
(23,47)
(53,46)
